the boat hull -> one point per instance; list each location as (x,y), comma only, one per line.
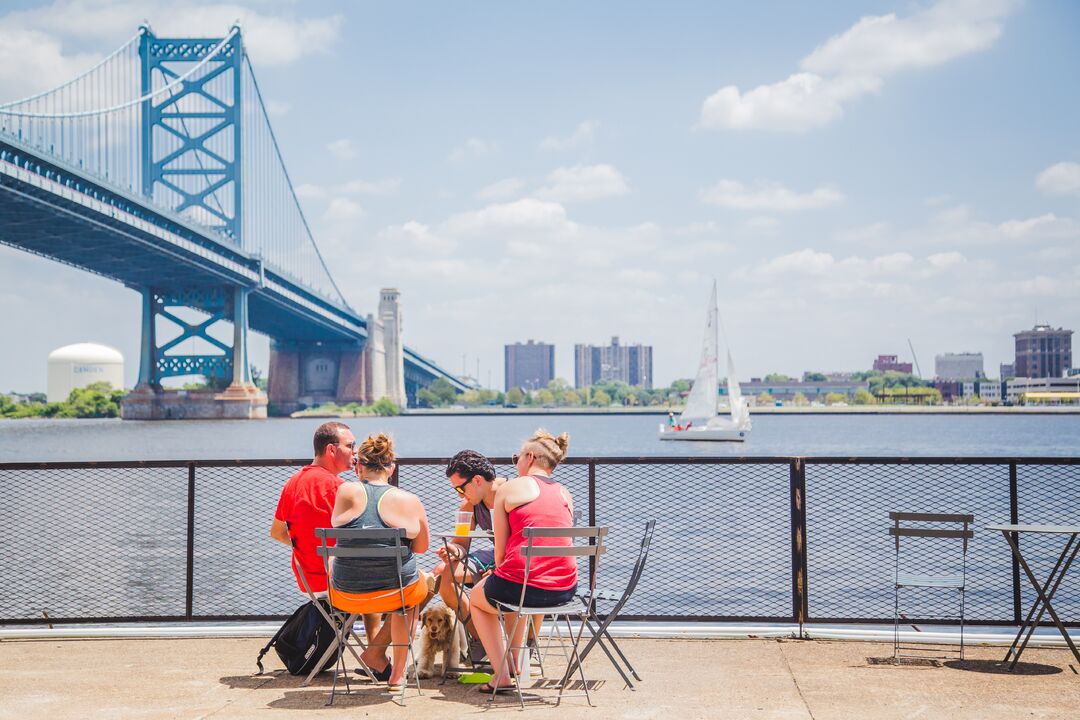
(705,433)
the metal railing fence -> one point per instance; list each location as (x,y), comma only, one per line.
(770,539)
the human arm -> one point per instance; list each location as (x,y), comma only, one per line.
(279,530)
(350,502)
(500,523)
(458,547)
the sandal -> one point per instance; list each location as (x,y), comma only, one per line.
(489,689)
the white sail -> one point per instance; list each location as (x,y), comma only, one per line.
(701,404)
(740,410)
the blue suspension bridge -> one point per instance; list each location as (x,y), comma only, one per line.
(158,168)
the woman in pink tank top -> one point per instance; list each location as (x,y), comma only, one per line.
(531,500)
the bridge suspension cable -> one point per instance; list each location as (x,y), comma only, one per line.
(96,123)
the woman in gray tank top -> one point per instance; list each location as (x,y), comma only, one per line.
(371,584)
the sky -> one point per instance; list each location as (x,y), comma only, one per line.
(853,175)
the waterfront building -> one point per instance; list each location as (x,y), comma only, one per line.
(959,366)
(631,364)
(1055,390)
(1043,352)
(786,391)
(1006,371)
(82,364)
(529,365)
(886,363)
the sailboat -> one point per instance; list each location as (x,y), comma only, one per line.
(701,419)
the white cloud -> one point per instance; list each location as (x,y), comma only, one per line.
(804,261)
(420,236)
(769,197)
(343,209)
(342,149)
(473,148)
(864,233)
(799,103)
(525,214)
(500,190)
(583,135)
(761,224)
(945,260)
(1060,179)
(308,191)
(855,63)
(382,188)
(1048,225)
(583,182)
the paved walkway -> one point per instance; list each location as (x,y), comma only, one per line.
(211,678)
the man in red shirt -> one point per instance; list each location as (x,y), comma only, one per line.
(306,503)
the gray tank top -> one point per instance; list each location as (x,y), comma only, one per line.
(482,516)
(367,574)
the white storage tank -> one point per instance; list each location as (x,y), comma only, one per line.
(79,365)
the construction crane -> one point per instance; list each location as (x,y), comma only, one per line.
(918,370)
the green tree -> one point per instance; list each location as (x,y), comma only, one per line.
(765,399)
(385,407)
(545,397)
(862,396)
(600,398)
(799,399)
(814,377)
(571,399)
(778,378)
(444,391)
(514,396)
(681,386)
(426,398)
(835,397)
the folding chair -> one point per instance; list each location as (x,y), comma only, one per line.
(600,633)
(399,551)
(573,608)
(939,566)
(336,620)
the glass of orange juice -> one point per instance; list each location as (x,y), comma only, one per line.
(463,523)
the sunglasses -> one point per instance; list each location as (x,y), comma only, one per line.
(460,489)
(516,456)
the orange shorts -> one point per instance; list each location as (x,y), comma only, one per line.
(379,601)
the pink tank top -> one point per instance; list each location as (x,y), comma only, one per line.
(548,510)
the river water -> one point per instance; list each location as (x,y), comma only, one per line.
(945,435)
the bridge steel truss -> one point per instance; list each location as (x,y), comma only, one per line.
(176,231)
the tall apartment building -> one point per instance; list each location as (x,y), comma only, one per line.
(1043,352)
(959,366)
(631,364)
(884,363)
(529,365)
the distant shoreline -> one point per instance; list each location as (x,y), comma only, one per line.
(767,410)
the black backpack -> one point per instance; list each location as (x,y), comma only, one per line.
(302,640)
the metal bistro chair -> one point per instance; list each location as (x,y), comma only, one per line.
(399,551)
(600,634)
(573,608)
(914,526)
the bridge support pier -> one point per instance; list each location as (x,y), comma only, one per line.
(239,400)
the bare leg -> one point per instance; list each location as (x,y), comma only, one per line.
(486,620)
(400,632)
(378,637)
(448,590)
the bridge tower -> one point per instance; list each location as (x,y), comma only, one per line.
(191,163)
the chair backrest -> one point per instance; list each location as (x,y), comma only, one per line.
(639,566)
(399,550)
(594,549)
(932,526)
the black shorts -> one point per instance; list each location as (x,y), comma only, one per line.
(506,592)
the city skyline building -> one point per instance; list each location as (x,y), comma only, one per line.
(959,366)
(886,363)
(1043,352)
(631,364)
(529,365)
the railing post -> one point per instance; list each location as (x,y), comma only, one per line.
(797,474)
(1014,519)
(190,582)
(592,516)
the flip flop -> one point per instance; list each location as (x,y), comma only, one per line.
(380,675)
(487,688)
(474,678)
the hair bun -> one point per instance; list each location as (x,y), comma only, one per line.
(376,451)
(563,441)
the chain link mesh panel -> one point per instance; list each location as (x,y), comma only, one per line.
(238,569)
(1048,495)
(93,542)
(722,545)
(852,558)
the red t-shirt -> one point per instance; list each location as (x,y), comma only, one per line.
(306,503)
